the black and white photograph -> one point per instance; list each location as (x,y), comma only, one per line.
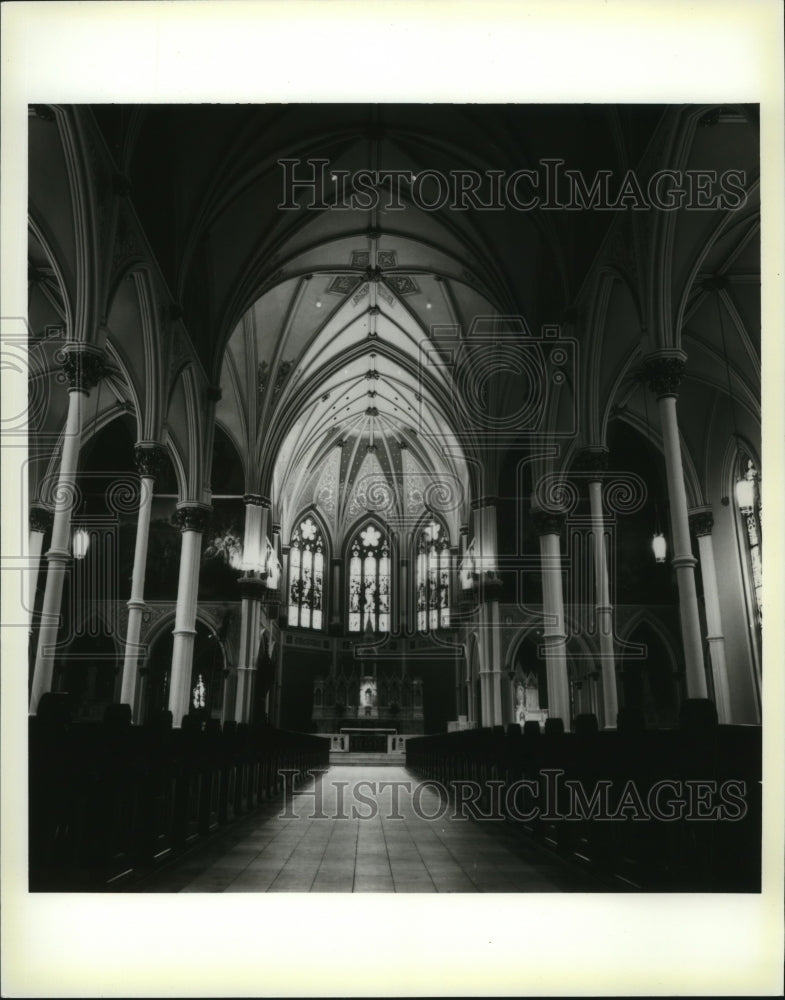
(385,480)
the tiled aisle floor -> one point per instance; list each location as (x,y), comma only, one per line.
(268,853)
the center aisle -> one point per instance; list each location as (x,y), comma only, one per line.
(364,843)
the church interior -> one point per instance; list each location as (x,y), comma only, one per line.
(373,435)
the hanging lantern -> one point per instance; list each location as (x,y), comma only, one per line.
(80,543)
(745,493)
(660,546)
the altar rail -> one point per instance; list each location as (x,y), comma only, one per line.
(111,803)
(709,847)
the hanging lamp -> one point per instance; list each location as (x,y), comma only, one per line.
(744,487)
(659,544)
(80,536)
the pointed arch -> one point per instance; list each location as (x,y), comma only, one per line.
(645,617)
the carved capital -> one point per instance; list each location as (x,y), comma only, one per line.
(664,372)
(83,366)
(192,517)
(491,588)
(485,501)
(252,588)
(547,522)
(592,460)
(40,518)
(256,500)
(149,459)
(701,522)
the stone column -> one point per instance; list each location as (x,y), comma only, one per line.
(40,522)
(406,612)
(149,460)
(461,594)
(595,462)
(192,520)
(285,579)
(549,525)
(702,523)
(471,690)
(405,607)
(251,591)
(84,368)
(664,372)
(274,700)
(489,586)
(455,582)
(335,626)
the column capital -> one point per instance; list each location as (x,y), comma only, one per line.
(252,588)
(256,500)
(592,460)
(490,588)
(149,457)
(486,501)
(547,522)
(41,518)
(664,371)
(192,517)
(701,521)
(83,364)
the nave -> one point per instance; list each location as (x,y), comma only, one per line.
(273,851)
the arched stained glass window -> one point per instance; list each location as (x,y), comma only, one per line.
(433,578)
(369,581)
(748,499)
(306,575)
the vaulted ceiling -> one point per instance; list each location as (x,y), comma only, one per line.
(330,330)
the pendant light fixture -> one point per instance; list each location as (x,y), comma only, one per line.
(658,543)
(80,536)
(80,542)
(744,487)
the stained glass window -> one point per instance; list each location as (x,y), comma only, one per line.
(306,575)
(748,498)
(433,578)
(369,581)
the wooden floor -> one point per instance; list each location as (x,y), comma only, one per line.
(273,852)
